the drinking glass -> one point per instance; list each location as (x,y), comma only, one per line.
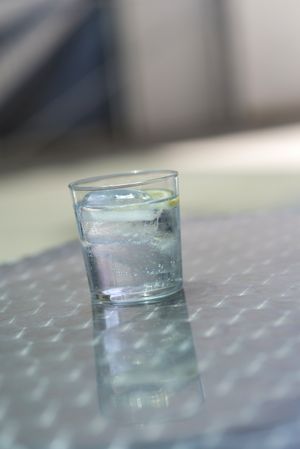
(129,227)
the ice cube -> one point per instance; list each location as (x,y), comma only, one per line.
(103,206)
(114,197)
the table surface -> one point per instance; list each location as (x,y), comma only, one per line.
(217,365)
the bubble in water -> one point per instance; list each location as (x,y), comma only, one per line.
(115,197)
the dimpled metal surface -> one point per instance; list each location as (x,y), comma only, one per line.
(216,366)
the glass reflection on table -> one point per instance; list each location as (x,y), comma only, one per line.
(146,362)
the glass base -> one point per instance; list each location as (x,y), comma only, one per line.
(129,296)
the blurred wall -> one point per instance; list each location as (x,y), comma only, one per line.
(264,42)
(192,66)
(171,65)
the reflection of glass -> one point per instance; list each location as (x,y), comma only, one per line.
(146,363)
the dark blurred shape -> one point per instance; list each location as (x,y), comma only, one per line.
(146,362)
(53,67)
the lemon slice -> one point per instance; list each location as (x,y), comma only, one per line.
(163,194)
(173,201)
(159,194)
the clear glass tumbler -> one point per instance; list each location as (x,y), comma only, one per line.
(129,227)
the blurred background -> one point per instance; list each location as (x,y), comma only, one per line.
(207,87)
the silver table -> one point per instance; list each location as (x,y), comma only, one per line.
(216,366)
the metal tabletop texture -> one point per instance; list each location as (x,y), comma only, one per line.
(215,366)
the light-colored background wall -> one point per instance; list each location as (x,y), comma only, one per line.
(171,66)
(191,64)
(264,38)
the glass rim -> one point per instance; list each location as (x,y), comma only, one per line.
(83,184)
